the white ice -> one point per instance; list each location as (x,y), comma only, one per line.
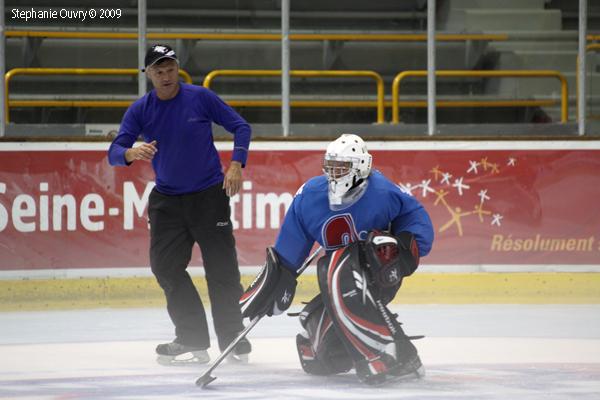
(495,352)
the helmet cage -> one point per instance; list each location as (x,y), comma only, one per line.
(342,173)
(346,162)
(337,167)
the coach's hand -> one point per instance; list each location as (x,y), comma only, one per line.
(233,178)
(144,152)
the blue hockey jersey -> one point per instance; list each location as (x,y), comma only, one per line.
(382,206)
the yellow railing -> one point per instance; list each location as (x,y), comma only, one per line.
(69,103)
(379,104)
(482,74)
(401,37)
(593,47)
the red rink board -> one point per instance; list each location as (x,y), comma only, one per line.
(67,208)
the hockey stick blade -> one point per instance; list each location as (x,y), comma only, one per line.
(206,378)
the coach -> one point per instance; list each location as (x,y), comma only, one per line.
(190,202)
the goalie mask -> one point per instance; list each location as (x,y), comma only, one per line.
(346,164)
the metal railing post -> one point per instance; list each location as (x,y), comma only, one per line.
(3,115)
(141,47)
(431,117)
(285,67)
(582,68)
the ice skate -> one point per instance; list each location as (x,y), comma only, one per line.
(410,370)
(179,354)
(413,369)
(240,353)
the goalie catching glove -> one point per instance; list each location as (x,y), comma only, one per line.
(272,291)
(390,258)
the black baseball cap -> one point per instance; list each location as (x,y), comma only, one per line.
(158,52)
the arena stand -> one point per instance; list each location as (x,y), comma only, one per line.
(388,38)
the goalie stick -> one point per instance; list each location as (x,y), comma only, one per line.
(206,378)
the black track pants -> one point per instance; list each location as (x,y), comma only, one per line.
(176,223)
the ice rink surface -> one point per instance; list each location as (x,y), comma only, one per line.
(470,352)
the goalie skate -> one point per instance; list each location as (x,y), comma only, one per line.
(411,370)
(178,354)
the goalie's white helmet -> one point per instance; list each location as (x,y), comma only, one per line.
(346,162)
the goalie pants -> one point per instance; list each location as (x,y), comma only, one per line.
(176,223)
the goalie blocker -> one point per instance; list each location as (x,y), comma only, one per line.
(348,324)
(271,292)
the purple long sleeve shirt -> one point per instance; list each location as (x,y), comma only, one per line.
(187,160)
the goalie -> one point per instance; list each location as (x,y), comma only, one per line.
(373,235)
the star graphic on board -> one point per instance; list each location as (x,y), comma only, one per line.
(483,195)
(436,172)
(473,167)
(407,188)
(459,185)
(479,207)
(426,188)
(446,178)
(455,219)
(496,218)
(440,197)
(484,163)
(479,211)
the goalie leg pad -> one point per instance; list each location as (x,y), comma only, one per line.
(365,326)
(320,350)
